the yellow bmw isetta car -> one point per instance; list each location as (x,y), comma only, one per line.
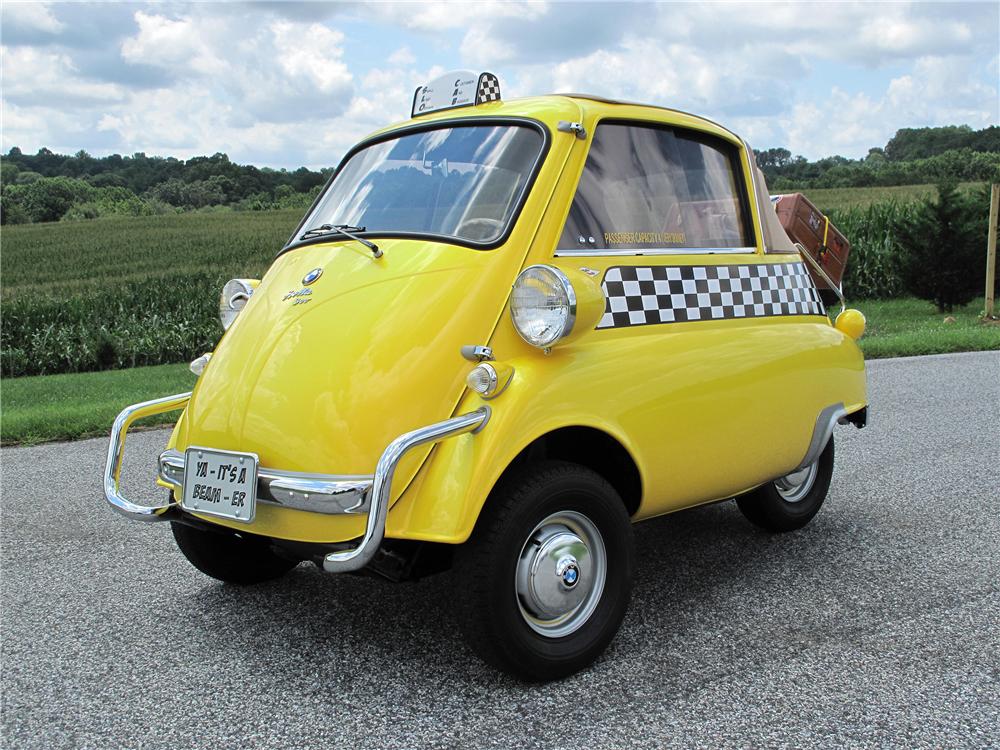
(504,332)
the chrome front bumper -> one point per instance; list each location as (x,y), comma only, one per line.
(312,492)
(316,493)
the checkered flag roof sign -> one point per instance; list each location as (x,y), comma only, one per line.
(460,88)
(489,89)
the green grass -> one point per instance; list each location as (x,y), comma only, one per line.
(63,407)
(833,199)
(910,327)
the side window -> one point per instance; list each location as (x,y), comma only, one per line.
(646,188)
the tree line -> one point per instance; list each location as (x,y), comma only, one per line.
(49,187)
(913,156)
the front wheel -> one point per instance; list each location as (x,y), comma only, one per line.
(790,502)
(242,560)
(546,578)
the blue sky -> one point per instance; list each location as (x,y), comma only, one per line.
(287,84)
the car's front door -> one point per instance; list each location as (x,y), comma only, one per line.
(713,337)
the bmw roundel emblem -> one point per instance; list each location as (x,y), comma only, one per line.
(310,277)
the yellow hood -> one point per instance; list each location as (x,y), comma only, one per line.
(320,378)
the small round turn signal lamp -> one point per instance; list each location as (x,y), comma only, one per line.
(851,323)
(483,379)
(489,379)
(197,366)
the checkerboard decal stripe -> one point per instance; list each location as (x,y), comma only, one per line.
(488,89)
(647,295)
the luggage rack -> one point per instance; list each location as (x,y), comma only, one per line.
(819,269)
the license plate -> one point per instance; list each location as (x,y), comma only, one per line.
(220,483)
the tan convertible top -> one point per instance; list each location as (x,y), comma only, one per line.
(776,240)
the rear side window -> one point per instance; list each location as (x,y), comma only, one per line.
(648,188)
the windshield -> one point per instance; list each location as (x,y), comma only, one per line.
(460,181)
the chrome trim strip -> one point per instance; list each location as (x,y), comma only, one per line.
(116,446)
(819,269)
(752,163)
(317,493)
(321,495)
(825,423)
(658,251)
(358,557)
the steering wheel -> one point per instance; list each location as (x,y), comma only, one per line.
(479,229)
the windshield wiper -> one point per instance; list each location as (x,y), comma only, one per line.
(345,229)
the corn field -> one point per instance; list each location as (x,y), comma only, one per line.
(122,292)
(873,265)
(116,293)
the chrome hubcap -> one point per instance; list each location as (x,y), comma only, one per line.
(795,486)
(560,574)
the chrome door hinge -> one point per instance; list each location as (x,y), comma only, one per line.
(477,353)
(572,127)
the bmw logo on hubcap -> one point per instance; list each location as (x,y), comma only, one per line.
(310,277)
(570,577)
(568,571)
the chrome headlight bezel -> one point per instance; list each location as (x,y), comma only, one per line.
(561,288)
(233,298)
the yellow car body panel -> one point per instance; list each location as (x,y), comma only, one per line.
(706,409)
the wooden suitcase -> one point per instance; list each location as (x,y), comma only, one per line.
(806,224)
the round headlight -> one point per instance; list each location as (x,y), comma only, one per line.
(543,305)
(234,297)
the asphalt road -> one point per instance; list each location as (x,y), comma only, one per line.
(879,624)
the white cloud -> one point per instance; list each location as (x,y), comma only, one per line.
(746,65)
(33,73)
(445,16)
(172,44)
(58,129)
(939,91)
(34,15)
(936,80)
(402,56)
(294,84)
(311,53)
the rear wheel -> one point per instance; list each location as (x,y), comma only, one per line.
(546,578)
(790,502)
(242,560)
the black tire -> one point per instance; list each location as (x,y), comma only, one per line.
(243,560)
(493,613)
(767,508)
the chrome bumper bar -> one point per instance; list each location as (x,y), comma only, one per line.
(315,493)
(357,558)
(113,466)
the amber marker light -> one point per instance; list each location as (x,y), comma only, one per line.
(851,323)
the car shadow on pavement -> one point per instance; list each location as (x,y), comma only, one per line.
(689,565)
